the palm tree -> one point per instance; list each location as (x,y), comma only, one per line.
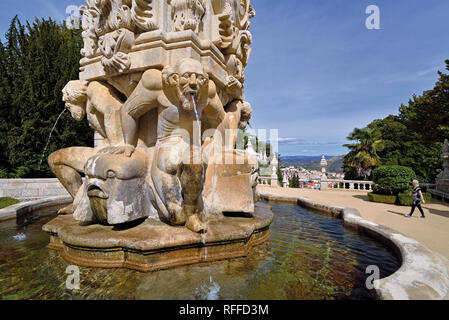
(363,157)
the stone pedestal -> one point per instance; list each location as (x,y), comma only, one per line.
(153,245)
(274,180)
(443,185)
(324,183)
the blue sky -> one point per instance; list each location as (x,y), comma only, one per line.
(316,72)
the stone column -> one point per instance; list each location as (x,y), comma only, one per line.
(324,183)
(285,182)
(250,148)
(274,175)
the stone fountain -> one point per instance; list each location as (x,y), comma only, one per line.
(162,82)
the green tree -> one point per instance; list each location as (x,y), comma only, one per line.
(294,182)
(414,138)
(36,61)
(363,157)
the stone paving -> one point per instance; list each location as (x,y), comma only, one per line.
(432,232)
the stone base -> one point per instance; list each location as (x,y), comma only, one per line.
(153,245)
(442,185)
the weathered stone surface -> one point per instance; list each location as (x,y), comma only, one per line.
(162,81)
(20,209)
(229,184)
(153,245)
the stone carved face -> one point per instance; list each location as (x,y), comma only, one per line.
(74,95)
(246,113)
(116,188)
(189,81)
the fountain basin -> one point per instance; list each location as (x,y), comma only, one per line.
(153,245)
(309,255)
(423,275)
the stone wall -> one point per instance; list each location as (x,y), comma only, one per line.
(31,189)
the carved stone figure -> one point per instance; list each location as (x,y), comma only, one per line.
(89,21)
(115,47)
(116,190)
(101,104)
(187,14)
(143,14)
(182,91)
(162,82)
(169,114)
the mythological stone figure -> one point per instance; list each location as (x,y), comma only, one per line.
(115,47)
(116,190)
(102,105)
(238,115)
(184,94)
(187,14)
(153,108)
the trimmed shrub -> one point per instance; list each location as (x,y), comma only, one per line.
(392,180)
(6,202)
(382,198)
(405,199)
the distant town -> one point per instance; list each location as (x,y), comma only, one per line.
(309,179)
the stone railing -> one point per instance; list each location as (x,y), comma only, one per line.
(427,186)
(268,181)
(31,189)
(349,185)
(264,180)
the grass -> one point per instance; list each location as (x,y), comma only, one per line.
(6,202)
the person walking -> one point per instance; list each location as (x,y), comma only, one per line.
(418,198)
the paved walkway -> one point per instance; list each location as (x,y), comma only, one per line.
(432,232)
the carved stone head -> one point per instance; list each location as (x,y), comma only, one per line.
(246,112)
(74,95)
(116,191)
(189,81)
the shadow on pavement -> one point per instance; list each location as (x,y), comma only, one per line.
(442,213)
(361,197)
(398,213)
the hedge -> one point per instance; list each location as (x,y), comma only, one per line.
(392,180)
(405,199)
(382,198)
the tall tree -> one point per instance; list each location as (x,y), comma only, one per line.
(37,60)
(363,157)
(414,138)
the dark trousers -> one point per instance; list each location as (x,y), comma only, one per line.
(417,204)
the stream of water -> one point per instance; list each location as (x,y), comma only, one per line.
(49,137)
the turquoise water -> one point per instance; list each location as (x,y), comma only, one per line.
(309,256)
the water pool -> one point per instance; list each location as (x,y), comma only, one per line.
(309,256)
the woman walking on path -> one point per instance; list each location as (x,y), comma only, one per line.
(418,198)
